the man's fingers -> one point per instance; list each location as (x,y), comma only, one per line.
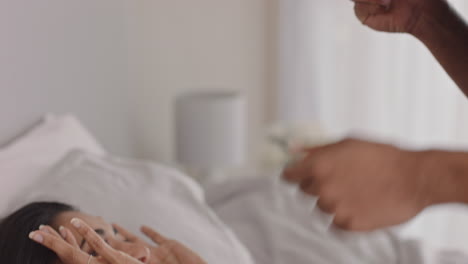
(298,169)
(365,10)
(385,3)
(125,233)
(316,150)
(342,222)
(315,167)
(370,9)
(309,186)
(95,241)
(295,172)
(326,205)
(312,157)
(153,235)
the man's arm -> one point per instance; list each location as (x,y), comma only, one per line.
(436,24)
(367,185)
(433,22)
(445,175)
(445,33)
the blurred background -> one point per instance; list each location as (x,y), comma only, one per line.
(296,61)
(355,81)
(308,69)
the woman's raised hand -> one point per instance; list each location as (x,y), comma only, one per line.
(68,250)
(166,251)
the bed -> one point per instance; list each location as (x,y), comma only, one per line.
(246,220)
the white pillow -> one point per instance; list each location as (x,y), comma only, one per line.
(133,193)
(28,157)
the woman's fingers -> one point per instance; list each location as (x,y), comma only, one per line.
(65,234)
(125,233)
(153,235)
(48,229)
(56,244)
(105,251)
(66,247)
(68,236)
(96,242)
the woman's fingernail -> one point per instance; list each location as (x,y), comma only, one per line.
(62,231)
(76,222)
(36,237)
(43,228)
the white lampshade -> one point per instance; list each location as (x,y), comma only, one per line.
(210,129)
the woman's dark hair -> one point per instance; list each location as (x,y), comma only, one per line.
(15,245)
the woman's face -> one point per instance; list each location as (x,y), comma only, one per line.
(106,231)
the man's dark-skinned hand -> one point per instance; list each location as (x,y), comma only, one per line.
(365,185)
(434,22)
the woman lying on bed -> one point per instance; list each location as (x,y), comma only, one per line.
(73,237)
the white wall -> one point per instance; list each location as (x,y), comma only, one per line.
(121,62)
(195,45)
(65,56)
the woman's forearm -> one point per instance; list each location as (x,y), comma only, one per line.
(445,33)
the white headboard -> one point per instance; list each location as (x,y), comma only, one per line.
(66,57)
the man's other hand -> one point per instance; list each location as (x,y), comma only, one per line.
(364,185)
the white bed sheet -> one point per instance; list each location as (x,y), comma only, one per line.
(280,225)
(134,193)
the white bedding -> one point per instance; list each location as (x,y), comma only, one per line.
(134,193)
(279,225)
(270,219)
(274,222)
